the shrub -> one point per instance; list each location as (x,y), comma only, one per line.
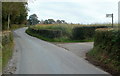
(106,50)
(109,42)
(49,33)
(73,32)
(85,32)
(7,37)
(5,26)
(65,28)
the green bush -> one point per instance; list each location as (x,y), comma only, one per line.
(107,49)
(49,33)
(65,28)
(5,26)
(7,38)
(85,32)
(109,42)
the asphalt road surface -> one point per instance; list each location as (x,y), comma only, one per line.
(40,57)
(79,49)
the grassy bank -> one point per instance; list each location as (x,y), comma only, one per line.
(0,57)
(7,47)
(106,51)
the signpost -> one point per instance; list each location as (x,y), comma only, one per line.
(119,15)
(110,16)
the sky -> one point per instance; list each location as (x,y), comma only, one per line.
(75,11)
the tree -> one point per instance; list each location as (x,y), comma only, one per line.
(51,21)
(59,21)
(12,12)
(33,19)
(63,21)
(46,22)
(42,22)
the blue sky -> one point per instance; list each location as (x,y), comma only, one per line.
(75,11)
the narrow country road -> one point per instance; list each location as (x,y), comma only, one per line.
(39,57)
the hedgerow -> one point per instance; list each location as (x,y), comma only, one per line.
(85,32)
(49,33)
(109,41)
(107,50)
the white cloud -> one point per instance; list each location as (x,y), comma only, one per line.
(76,11)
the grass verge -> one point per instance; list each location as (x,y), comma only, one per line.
(100,60)
(0,58)
(7,52)
(7,47)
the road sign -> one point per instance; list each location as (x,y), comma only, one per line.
(110,16)
(119,15)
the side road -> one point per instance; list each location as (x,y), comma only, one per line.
(79,49)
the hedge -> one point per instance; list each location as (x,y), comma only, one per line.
(47,32)
(85,32)
(106,50)
(109,41)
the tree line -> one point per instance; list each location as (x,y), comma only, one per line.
(33,20)
(14,13)
(17,12)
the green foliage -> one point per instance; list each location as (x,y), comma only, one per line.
(109,41)
(65,28)
(14,26)
(52,21)
(28,31)
(106,48)
(49,33)
(7,47)
(46,22)
(33,19)
(59,21)
(85,32)
(7,38)
(16,12)
(70,32)
(62,39)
